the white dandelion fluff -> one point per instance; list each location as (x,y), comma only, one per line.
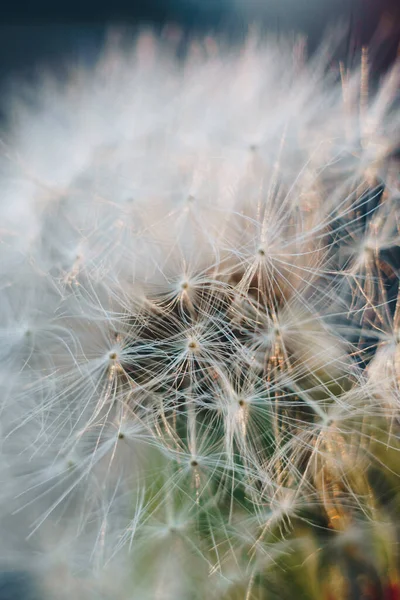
(199,316)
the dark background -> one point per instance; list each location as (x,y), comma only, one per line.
(34,32)
(48,32)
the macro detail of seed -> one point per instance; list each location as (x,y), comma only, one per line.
(200,374)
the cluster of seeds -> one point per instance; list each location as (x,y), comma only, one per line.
(200,326)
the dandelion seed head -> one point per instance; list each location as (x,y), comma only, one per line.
(199,347)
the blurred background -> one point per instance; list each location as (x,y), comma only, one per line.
(34,32)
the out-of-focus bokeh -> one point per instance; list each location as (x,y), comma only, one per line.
(45,32)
